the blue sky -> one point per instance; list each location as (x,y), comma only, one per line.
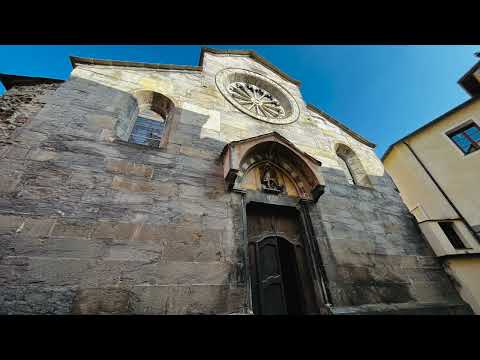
(382,92)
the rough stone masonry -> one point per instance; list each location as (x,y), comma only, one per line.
(92,224)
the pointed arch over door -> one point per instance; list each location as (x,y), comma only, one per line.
(295,167)
(277,183)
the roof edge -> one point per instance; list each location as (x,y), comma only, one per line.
(75,61)
(10,80)
(341,126)
(433,122)
(469,72)
(467,75)
(252,54)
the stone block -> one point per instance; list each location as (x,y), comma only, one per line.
(114,230)
(9,182)
(59,247)
(128,168)
(42,155)
(9,224)
(126,184)
(197,299)
(103,301)
(34,299)
(36,227)
(96,121)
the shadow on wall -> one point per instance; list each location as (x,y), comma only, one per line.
(76,182)
(372,247)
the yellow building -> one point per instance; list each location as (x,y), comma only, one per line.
(437,171)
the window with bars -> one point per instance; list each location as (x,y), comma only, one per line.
(467,138)
(448,229)
(148,130)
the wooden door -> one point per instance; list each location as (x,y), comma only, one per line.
(270,281)
(281,282)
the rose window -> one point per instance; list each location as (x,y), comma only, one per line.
(256,100)
(257,96)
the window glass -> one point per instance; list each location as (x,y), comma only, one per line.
(474,133)
(147,132)
(462,142)
(467,138)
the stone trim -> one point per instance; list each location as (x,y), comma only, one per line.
(341,126)
(75,61)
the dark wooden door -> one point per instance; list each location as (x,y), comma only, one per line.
(270,280)
(279,273)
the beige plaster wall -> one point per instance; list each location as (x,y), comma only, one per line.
(466,273)
(456,173)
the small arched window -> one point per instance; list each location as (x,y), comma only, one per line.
(346,170)
(151,121)
(148,129)
(352,167)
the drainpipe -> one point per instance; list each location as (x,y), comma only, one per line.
(441,190)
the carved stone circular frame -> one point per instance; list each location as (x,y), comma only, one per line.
(226,77)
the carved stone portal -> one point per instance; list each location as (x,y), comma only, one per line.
(270,163)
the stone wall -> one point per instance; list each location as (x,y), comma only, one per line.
(21,103)
(92,225)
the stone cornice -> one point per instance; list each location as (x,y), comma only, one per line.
(341,126)
(75,60)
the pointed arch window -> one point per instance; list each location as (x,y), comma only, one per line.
(346,170)
(352,166)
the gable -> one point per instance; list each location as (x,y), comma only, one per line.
(213,61)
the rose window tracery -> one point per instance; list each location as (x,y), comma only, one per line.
(256,99)
(257,96)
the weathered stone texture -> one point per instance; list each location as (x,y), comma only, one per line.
(93,225)
(20,104)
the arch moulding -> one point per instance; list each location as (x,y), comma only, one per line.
(239,156)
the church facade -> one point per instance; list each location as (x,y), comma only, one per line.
(136,188)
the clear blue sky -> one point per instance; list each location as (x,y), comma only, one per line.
(381,92)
